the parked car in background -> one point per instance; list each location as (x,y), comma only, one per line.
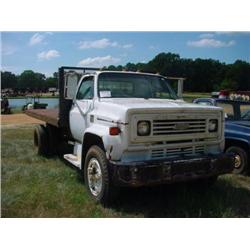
(237,129)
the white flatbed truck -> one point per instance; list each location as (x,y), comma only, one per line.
(130,129)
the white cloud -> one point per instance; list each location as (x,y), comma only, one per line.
(206,35)
(152,47)
(123,55)
(102,44)
(13,69)
(7,50)
(47,55)
(127,46)
(97,44)
(210,43)
(98,61)
(233,33)
(36,39)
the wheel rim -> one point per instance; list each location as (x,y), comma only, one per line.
(237,161)
(94,174)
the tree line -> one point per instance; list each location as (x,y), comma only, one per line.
(28,81)
(202,75)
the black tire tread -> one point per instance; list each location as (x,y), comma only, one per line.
(109,191)
(42,140)
(53,138)
(246,168)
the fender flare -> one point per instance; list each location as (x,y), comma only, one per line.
(112,144)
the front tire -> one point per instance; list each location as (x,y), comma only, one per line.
(97,177)
(241,160)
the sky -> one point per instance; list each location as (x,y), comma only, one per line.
(44,52)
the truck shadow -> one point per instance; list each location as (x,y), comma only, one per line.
(223,199)
(182,200)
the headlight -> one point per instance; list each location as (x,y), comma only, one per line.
(143,128)
(213,125)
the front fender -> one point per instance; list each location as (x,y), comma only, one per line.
(112,144)
(240,140)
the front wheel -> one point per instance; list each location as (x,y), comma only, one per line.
(240,160)
(97,177)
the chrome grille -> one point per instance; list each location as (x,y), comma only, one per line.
(178,152)
(185,126)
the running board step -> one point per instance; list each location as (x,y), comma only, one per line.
(73,160)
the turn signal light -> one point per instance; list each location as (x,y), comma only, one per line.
(114,131)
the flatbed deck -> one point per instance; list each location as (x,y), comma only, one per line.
(50,116)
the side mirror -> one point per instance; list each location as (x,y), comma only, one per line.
(83,105)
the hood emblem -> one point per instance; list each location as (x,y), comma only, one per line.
(181,126)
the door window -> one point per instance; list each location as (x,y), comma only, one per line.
(86,90)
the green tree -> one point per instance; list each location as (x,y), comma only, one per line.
(165,63)
(239,74)
(202,75)
(8,80)
(50,82)
(228,84)
(131,67)
(32,81)
(112,68)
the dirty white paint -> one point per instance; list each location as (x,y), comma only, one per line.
(126,112)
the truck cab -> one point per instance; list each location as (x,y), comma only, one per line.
(131,129)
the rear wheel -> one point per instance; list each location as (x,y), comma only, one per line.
(53,136)
(240,159)
(41,140)
(97,177)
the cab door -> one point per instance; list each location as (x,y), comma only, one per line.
(82,105)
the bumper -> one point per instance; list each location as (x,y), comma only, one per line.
(170,171)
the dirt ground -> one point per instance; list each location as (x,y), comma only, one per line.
(18,119)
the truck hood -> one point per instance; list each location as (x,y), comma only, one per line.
(238,127)
(141,103)
(116,108)
(242,123)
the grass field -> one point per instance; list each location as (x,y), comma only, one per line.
(33,186)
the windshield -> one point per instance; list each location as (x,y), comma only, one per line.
(129,85)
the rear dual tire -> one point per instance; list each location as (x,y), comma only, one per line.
(41,140)
(46,140)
